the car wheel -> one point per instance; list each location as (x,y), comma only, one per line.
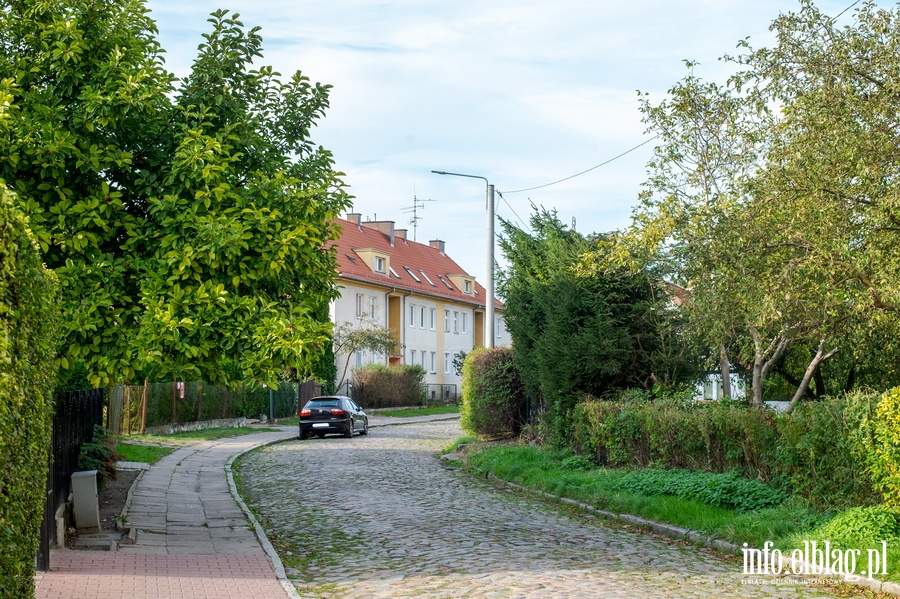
(320,435)
(365,430)
(304,435)
(349,432)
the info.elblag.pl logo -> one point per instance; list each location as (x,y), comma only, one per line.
(816,559)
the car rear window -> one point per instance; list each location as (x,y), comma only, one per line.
(327,403)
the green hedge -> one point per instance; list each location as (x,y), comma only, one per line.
(493,396)
(28,324)
(380,386)
(819,452)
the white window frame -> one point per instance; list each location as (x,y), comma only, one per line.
(455,322)
(433,318)
(447,362)
(446,321)
(359,305)
(373,307)
(433,362)
(379,264)
(422,317)
(412,315)
(464,321)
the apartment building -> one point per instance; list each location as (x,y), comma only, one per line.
(434,308)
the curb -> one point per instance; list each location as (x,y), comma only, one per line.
(124,514)
(277,565)
(678,533)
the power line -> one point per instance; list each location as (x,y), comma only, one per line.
(516,214)
(588,170)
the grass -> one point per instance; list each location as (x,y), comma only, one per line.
(546,471)
(407,412)
(209,434)
(149,454)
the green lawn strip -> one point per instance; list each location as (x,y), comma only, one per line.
(600,487)
(407,412)
(149,454)
(295,421)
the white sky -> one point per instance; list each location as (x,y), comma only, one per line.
(520,92)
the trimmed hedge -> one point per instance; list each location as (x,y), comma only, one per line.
(818,453)
(493,396)
(380,386)
(28,324)
(713,436)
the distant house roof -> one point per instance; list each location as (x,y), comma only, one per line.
(417,267)
(678,294)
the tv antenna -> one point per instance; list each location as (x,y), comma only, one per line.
(417,205)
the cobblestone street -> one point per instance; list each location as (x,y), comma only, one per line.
(379,516)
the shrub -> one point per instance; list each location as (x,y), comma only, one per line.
(714,436)
(821,451)
(860,526)
(380,386)
(100,455)
(883,447)
(730,490)
(493,398)
(28,324)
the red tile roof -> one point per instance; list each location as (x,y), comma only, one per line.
(419,258)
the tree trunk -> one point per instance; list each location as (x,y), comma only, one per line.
(820,357)
(762,366)
(725,369)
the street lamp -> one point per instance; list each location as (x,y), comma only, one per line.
(489,300)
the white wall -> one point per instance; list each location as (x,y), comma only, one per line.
(373,311)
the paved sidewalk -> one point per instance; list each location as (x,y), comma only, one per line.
(194,539)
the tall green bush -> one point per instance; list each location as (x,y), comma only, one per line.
(883,445)
(493,396)
(380,386)
(822,451)
(28,328)
(580,323)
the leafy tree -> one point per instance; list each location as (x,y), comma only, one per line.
(704,219)
(187,220)
(365,336)
(579,325)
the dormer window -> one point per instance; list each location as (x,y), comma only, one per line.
(468,287)
(377,260)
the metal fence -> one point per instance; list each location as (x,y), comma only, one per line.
(441,394)
(134,409)
(74,417)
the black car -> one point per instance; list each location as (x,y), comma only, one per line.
(334,414)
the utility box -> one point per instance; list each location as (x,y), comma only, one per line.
(85,499)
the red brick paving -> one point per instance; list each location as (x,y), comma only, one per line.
(104,575)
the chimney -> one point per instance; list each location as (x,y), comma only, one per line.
(437,243)
(384,226)
(354,217)
(400,234)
